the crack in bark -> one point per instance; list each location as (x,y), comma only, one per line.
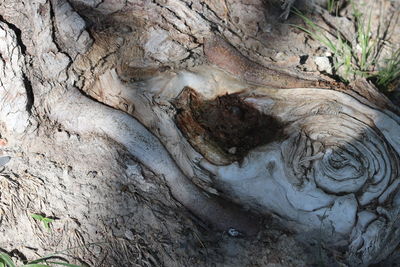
(29,93)
(54,32)
(27,82)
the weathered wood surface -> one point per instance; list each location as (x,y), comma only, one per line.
(328,169)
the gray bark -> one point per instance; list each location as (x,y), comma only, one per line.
(110,113)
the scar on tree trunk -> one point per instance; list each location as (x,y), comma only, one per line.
(226,125)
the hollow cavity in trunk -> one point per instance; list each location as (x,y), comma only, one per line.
(226,127)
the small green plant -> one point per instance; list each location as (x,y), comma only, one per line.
(6,261)
(365,45)
(341,49)
(355,58)
(46,221)
(390,72)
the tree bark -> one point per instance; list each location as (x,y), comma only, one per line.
(179,103)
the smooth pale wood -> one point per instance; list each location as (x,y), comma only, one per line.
(79,114)
(334,176)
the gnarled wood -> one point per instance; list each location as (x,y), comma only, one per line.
(334,175)
(195,99)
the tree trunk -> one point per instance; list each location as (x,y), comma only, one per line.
(157,132)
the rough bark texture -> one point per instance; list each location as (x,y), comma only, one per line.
(178,132)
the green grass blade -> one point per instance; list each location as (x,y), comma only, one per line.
(35,265)
(64,264)
(7,261)
(37,217)
(331,5)
(391,71)
(46,225)
(316,34)
(41,259)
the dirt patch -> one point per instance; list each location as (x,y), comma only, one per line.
(225,125)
